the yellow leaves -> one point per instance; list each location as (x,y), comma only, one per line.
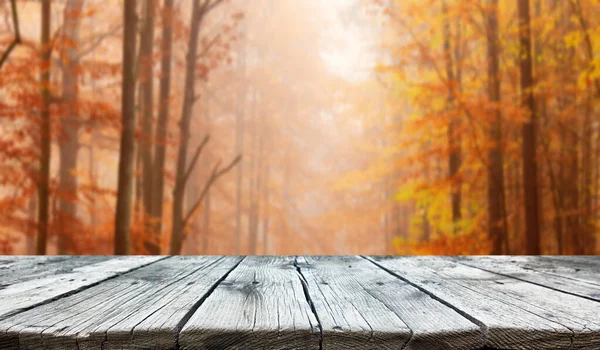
(595,69)
(573,39)
(586,78)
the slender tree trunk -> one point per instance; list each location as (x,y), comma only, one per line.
(560,189)
(496,227)
(191,238)
(530,181)
(518,217)
(266,211)
(589,241)
(30,240)
(147,90)
(127,147)
(207,201)
(163,116)
(184,132)
(93,181)
(239,148)
(69,149)
(574,215)
(258,189)
(253,179)
(44,180)
(239,179)
(453,141)
(426,225)
(137,180)
(206,223)
(286,193)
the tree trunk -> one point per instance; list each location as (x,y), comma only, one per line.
(191,238)
(147,90)
(453,141)
(425,216)
(184,132)
(137,179)
(127,147)
(589,238)
(239,148)
(253,179)
(530,181)
(496,227)
(257,192)
(69,148)
(163,117)
(266,211)
(93,181)
(44,180)
(206,224)
(30,240)
(207,207)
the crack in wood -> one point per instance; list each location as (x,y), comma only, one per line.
(309,300)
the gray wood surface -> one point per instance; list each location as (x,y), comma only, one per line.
(260,305)
(27,288)
(15,269)
(289,303)
(566,276)
(516,314)
(360,306)
(140,309)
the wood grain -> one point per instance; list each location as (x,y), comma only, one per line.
(517,314)
(260,305)
(15,269)
(141,309)
(573,278)
(285,303)
(30,288)
(361,306)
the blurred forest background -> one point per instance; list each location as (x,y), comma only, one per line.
(299,126)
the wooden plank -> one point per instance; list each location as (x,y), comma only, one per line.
(558,275)
(142,309)
(15,269)
(30,292)
(260,305)
(361,306)
(574,267)
(517,314)
(589,259)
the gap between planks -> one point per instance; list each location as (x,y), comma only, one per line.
(77,290)
(537,276)
(480,324)
(197,305)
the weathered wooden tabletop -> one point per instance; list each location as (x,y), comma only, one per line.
(299,302)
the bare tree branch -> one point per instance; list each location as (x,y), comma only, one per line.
(214,176)
(209,46)
(213,5)
(17,39)
(98,41)
(195,159)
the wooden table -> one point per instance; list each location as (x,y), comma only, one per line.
(305,302)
